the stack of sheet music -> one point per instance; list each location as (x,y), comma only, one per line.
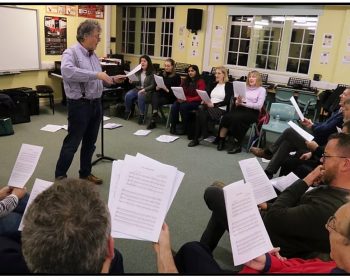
(141,192)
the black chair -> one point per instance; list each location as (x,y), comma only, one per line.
(44,91)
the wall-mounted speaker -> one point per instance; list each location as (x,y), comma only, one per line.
(194,19)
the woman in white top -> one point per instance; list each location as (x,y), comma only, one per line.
(243,113)
(220,97)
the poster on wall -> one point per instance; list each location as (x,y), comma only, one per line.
(327,40)
(324,58)
(69,10)
(55,35)
(91,11)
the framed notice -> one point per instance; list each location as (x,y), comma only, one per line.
(55,35)
(91,11)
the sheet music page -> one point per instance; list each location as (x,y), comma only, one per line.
(178,179)
(160,81)
(112,125)
(51,127)
(239,89)
(142,198)
(248,235)
(133,71)
(283,182)
(203,95)
(166,138)
(307,136)
(142,132)
(179,93)
(26,162)
(295,104)
(38,187)
(254,174)
(131,77)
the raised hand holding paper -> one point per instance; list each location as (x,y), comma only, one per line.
(160,82)
(300,114)
(254,174)
(203,95)
(307,136)
(179,93)
(26,162)
(248,235)
(239,89)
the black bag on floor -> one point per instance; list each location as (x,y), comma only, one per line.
(6,127)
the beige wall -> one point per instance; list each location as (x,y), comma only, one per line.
(33,78)
(335,20)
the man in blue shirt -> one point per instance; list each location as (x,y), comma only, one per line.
(83,83)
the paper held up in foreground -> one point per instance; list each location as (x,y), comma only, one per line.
(38,187)
(179,93)
(131,75)
(159,81)
(24,167)
(141,192)
(239,89)
(307,136)
(295,104)
(203,95)
(248,235)
(254,174)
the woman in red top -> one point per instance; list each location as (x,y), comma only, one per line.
(192,82)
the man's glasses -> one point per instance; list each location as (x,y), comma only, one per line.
(324,156)
(331,225)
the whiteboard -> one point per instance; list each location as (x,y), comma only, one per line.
(19,47)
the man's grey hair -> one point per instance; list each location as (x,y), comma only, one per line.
(86,28)
(66,230)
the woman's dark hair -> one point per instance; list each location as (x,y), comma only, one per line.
(150,68)
(188,80)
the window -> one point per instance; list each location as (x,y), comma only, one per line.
(147,30)
(256,42)
(128,29)
(239,41)
(167,31)
(301,43)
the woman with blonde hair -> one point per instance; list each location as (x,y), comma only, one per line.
(220,97)
(243,113)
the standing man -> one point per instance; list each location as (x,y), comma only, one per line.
(83,83)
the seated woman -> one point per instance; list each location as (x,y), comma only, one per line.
(143,89)
(164,96)
(13,201)
(243,113)
(220,98)
(192,82)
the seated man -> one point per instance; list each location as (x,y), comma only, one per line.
(304,164)
(295,219)
(291,141)
(196,258)
(67,231)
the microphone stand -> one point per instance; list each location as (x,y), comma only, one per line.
(102,156)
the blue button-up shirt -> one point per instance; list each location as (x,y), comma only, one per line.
(79,73)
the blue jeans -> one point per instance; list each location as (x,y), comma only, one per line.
(9,224)
(84,120)
(133,94)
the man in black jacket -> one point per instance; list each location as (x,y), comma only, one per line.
(295,220)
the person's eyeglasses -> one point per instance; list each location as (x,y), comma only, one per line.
(331,223)
(324,156)
(97,36)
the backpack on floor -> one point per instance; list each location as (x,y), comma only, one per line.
(6,127)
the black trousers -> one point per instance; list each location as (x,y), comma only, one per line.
(203,116)
(160,98)
(289,141)
(239,120)
(196,258)
(299,167)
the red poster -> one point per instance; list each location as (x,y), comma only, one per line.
(91,11)
(55,35)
